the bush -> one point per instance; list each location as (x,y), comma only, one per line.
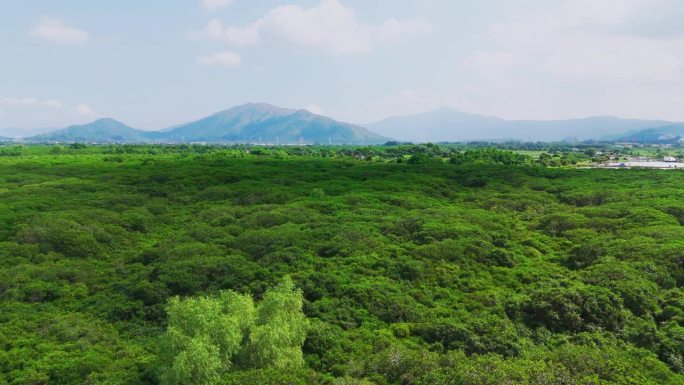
(573,309)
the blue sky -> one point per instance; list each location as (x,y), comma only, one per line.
(157,63)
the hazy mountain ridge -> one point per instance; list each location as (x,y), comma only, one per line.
(249,123)
(105,130)
(451,125)
(266,123)
(671,133)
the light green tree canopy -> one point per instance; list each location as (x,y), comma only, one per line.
(206,336)
(279,331)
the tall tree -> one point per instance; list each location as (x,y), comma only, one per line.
(206,336)
(203,336)
(280,328)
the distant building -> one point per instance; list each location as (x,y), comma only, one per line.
(669,159)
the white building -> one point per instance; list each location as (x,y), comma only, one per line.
(669,159)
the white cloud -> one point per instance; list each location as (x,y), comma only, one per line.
(223,59)
(329,26)
(86,111)
(236,36)
(54,30)
(215,4)
(393,28)
(581,39)
(576,58)
(314,109)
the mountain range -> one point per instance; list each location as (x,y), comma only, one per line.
(259,123)
(670,133)
(249,123)
(104,130)
(447,125)
(265,123)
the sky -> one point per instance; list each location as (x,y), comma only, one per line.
(157,63)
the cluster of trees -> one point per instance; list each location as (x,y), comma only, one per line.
(387,153)
(489,156)
(165,265)
(208,336)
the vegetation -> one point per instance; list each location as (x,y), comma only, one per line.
(395,264)
(206,335)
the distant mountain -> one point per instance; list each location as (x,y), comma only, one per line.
(665,134)
(249,123)
(100,131)
(451,125)
(264,123)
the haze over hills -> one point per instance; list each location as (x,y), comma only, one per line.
(104,130)
(249,123)
(671,133)
(265,123)
(451,125)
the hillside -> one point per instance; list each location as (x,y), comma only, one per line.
(264,123)
(666,134)
(450,125)
(249,123)
(100,131)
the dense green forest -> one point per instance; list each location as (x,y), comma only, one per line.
(381,265)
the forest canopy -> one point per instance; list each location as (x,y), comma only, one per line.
(395,264)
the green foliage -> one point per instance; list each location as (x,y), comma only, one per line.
(207,336)
(62,235)
(574,309)
(489,156)
(203,336)
(275,340)
(465,265)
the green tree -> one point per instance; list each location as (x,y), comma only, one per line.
(203,336)
(277,337)
(206,335)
